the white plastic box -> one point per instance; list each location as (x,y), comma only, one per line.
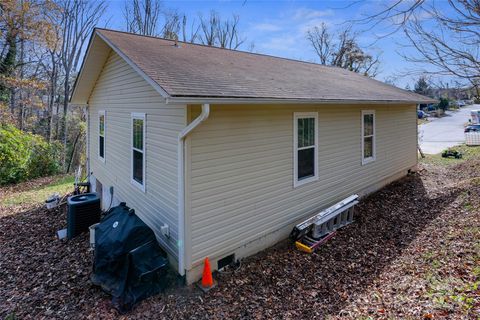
(472,138)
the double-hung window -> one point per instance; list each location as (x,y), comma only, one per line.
(138,150)
(368,136)
(305,126)
(101,135)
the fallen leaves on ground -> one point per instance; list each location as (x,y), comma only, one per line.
(412,252)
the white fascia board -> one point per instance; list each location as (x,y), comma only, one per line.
(80,75)
(200,100)
(155,85)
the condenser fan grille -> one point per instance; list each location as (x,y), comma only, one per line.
(83,211)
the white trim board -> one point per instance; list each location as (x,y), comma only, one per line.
(143,117)
(154,84)
(374,146)
(246,100)
(102,113)
(296,116)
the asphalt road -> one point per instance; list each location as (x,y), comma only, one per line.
(442,133)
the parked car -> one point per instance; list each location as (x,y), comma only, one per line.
(461,103)
(472,128)
(421,114)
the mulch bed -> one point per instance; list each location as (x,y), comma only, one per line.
(412,251)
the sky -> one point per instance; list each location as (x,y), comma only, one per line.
(278,27)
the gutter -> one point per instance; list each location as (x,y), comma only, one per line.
(181,183)
(219,100)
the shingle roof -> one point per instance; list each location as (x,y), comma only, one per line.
(191,70)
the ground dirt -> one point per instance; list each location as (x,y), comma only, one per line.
(413,252)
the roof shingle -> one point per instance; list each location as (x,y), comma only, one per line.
(191,70)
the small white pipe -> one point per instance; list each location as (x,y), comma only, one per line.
(181,184)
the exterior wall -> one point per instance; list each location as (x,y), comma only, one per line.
(240,196)
(120,91)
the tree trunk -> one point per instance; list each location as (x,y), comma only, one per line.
(64,116)
(57,125)
(21,112)
(53,89)
(73,152)
(12,101)
(7,66)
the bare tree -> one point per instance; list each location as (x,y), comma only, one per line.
(171,27)
(79,17)
(192,35)
(251,47)
(22,24)
(145,17)
(342,50)
(228,34)
(209,28)
(320,39)
(220,33)
(142,16)
(50,62)
(350,56)
(445,35)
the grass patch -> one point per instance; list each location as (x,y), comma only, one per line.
(452,276)
(453,293)
(61,184)
(467,153)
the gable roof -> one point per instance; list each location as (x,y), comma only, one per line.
(192,72)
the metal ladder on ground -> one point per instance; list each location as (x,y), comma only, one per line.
(314,231)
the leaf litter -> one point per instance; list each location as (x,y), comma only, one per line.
(413,252)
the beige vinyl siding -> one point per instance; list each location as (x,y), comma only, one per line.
(241,169)
(120,91)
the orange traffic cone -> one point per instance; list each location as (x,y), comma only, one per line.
(207,282)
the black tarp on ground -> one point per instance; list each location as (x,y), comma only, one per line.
(128,263)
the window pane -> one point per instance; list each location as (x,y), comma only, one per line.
(300,133)
(101,147)
(310,138)
(306,163)
(306,132)
(368,124)
(138,166)
(102,124)
(368,147)
(138,134)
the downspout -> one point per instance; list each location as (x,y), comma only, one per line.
(87,149)
(181,183)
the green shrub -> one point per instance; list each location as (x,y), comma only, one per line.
(443,104)
(25,156)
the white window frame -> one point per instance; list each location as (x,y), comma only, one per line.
(102,113)
(141,116)
(296,117)
(374,135)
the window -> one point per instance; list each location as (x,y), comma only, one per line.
(138,150)
(368,136)
(101,135)
(305,126)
